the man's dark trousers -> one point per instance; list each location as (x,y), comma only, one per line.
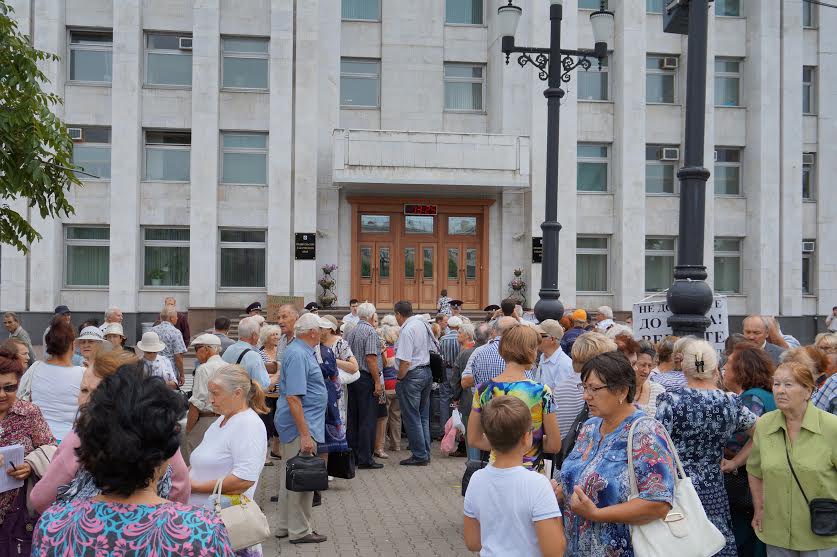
(363,417)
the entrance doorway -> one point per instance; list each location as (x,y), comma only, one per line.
(409,249)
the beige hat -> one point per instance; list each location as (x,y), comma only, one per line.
(151,343)
(327,324)
(551,328)
(206,339)
(115,329)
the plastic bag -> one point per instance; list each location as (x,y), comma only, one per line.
(456,417)
(449,440)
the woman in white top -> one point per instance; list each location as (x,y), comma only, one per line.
(647,391)
(53,386)
(235,445)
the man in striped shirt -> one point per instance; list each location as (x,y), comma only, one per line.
(449,348)
(486,363)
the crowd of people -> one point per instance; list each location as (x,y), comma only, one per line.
(549,411)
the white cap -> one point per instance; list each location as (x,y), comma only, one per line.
(206,339)
(326,324)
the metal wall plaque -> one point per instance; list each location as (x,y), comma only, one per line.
(537,249)
(305,246)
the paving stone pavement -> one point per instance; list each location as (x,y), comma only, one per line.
(402,511)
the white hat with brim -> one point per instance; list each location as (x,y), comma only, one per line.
(326,324)
(206,339)
(91,333)
(151,343)
(115,329)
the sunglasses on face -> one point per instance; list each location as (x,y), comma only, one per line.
(9,389)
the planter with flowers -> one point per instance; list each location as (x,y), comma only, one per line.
(327,282)
(517,287)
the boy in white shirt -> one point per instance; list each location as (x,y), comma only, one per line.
(510,510)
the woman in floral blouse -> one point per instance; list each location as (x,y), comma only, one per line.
(21,423)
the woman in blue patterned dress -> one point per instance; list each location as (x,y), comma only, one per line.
(595,485)
(701,419)
(126,458)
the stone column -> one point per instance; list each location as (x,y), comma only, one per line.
(203,207)
(126,154)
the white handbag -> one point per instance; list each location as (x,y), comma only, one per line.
(685,531)
(246,523)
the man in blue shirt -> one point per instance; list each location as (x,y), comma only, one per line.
(300,421)
(246,354)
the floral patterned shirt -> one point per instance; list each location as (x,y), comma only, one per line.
(104,529)
(23,425)
(599,465)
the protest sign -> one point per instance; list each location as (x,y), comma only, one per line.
(651,321)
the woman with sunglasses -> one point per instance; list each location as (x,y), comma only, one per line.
(21,423)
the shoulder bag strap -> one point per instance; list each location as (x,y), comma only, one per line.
(787,454)
(433,340)
(241,356)
(681,473)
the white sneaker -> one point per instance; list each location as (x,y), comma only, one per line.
(331,478)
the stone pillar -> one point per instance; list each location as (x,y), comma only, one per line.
(203,207)
(279,208)
(126,154)
(825,280)
(627,72)
(790,160)
(762,159)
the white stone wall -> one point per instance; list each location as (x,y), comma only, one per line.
(309,175)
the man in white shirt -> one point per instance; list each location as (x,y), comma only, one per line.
(352,316)
(112,315)
(201,413)
(604,318)
(554,365)
(831,321)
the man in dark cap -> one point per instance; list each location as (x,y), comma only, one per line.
(456,308)
(312,307)
(254,309)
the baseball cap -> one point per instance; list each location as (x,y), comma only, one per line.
(206,339)
(62,310)
(552,328)
(579,315)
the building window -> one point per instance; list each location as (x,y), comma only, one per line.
(654,6)
(808,270)
(245,63)
(660,254)
(589,4)
(464,87)
(809,101)
(592,167)
(728,8)
(168,59)
(365,10)
(166,257)
(244,158)
(727,82)
(660,79)
(593,83)
(91,56)
(243,258)
(360,82)
(464,12)
(91,152)
(809,16)
(660,162)
(87,261)
(591,259)
(167,155)
(728,265)
(727,171)
(809,176)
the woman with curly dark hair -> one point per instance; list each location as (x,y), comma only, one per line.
(126,457)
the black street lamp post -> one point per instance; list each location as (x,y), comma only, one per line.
(555,67)
(690,297)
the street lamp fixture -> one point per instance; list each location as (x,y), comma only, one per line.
(554,66)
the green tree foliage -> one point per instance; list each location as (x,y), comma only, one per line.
(35,150)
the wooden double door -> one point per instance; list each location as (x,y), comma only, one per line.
(398,256)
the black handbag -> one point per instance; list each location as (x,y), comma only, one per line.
(823,511)
(342,464)
(738,491)
(306,473)
(472,466)
(437,367)
(568,442)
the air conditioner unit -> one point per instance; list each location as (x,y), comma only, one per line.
(716,155)
(809,247)
(670,154)
(807,158)
(670,63)
(184,43)
(75,134)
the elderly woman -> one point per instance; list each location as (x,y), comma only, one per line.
(815,359)
(327,357)
(646,391)
(115,335)
(669,372)
(88,343)
(234,447)
(595,485)
(519,348)
(748,373)
(701,419)
(53,385)
(827,342)
(126,458)
(798,438)
(17,346)
(21,423)
(66,480)
(269,345)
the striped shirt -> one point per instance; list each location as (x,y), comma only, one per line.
(486,363)
(668,379)
(449,347)
(567,402)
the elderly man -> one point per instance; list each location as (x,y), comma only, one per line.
(486,363)
(756,329)
(579,320)
(300,421)
(182,323)
(112,315)
(245,352)
(173,339)
(554,366)
(201,413)
(414,381)
(254,309)
(449,348)
(365,392)
(604,318)
(288,314)
(12,324)
(222,330)
(469,339)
